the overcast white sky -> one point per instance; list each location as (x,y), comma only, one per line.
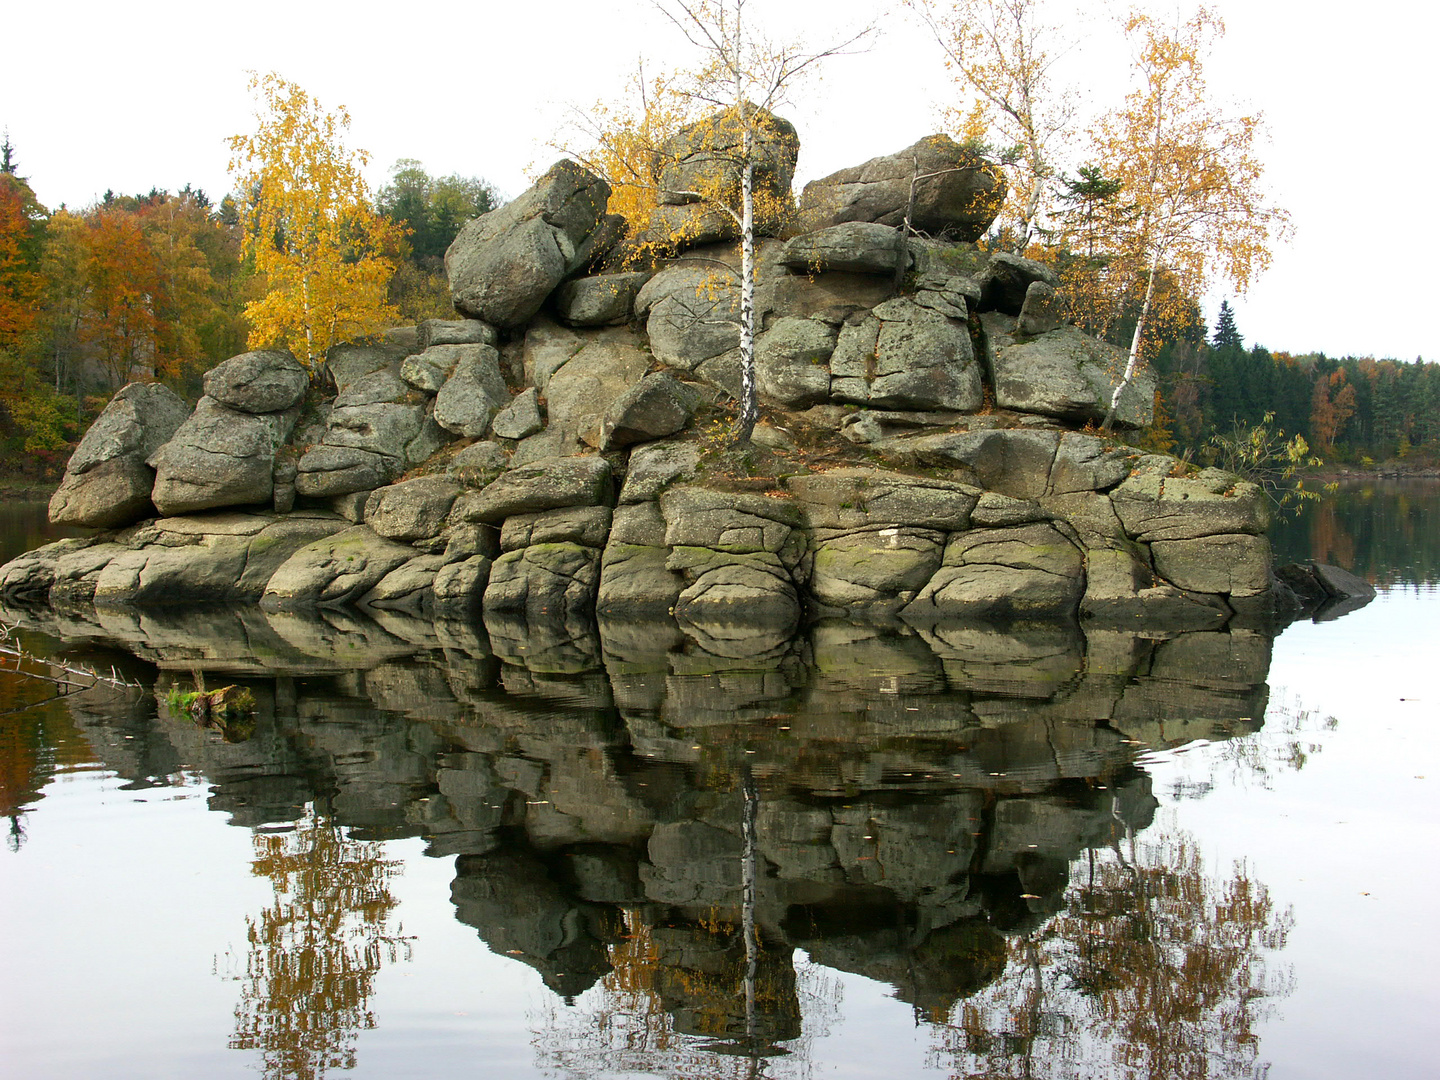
(127,97)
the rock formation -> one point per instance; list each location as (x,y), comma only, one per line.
(559,451)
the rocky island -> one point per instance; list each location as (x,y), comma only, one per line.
(928,446)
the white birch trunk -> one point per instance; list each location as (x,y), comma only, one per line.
(1133,360)
(749,405)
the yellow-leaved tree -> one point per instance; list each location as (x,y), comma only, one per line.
(310,226)
(1000,54)
(1190,201)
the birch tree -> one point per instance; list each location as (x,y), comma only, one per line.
(740,79)
(1191,202)
(1001,54)
(310,226)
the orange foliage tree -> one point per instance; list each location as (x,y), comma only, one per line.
(21,220)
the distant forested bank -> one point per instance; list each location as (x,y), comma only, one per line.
(154,286)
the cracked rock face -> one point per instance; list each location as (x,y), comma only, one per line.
(219,457)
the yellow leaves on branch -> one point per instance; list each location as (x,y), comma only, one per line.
(624,142)
(1191,202)
(310,226)
(1000,54)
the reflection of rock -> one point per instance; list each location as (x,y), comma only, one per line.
(1325,592)
(522,912)
(918,794)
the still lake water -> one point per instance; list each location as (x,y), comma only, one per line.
(866,853)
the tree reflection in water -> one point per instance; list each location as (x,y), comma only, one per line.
(315,951)
(651,1016)
(1154,968)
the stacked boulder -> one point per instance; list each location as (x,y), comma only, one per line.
(944,386)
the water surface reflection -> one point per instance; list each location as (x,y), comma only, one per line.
(691,846)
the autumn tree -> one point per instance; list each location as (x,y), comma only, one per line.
(1191,202)
(122,329)
(1156,968)
(740,78)
(316,949)
(1001,54)
(624,140)
(1331,405)
(22,222)
(309,225)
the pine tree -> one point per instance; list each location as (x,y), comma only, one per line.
(1226,335)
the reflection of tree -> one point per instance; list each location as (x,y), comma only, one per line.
(1286,742)
(627,1024)
(1153,969)
(315,952)
(698,998)
(38,738)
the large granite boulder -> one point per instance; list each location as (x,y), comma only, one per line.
(1025,572)
(413,510)
(581,391)
(874,500)
(905,356)
(454,332)
(548,580)
(107,481)
(692,313)
(959,196)
(634,578)
(790,362)
(328,471)
(266,381)
(1154,505)
(504,264)
(219,457)
(541,485)
(658,405)
(857,247)
(474,392)
(378,426)
(28,578)
(215,558)
(349,362)
(428,370)
(880,570)
(521,418)
(1064,373)
(1014,462)
(603,300)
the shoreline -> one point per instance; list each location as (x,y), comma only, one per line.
(27,490)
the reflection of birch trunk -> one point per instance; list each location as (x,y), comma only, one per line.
(749,812)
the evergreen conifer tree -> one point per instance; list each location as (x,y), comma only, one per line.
(1226,335)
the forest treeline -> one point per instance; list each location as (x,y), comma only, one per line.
(1351,410)
(155,286)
